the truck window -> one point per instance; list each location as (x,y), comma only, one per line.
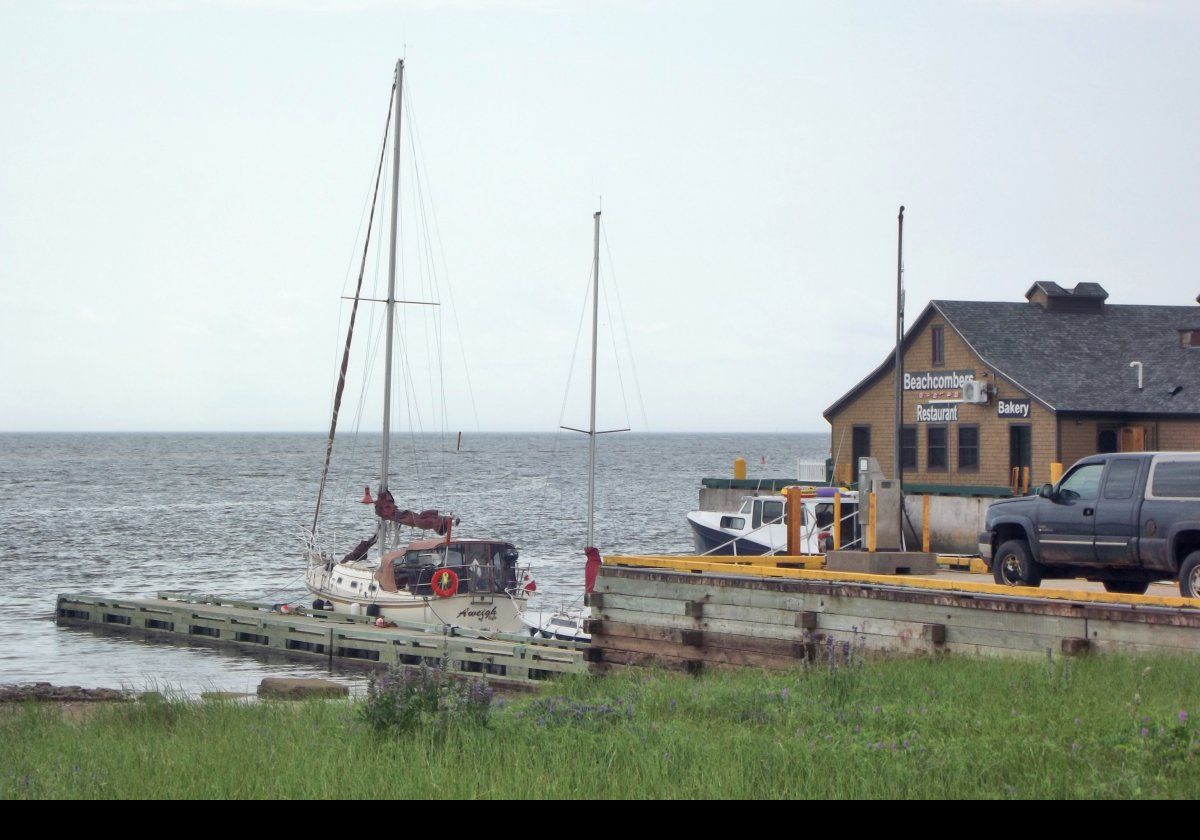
(1122,476)
(1083,483)
(1176,479)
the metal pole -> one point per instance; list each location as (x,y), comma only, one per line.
(391,301)
(900,367)
(592,423)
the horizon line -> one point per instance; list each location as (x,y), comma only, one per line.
(394,432)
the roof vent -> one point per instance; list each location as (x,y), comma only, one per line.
(1085,297)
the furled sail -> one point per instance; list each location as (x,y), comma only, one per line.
(427,520)
(341,383)
(360,550)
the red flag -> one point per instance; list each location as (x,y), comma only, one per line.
(591,568)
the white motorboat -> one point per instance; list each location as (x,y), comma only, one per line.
(760,525)
(563,623)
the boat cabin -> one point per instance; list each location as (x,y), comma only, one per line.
(772,510)
(482,566)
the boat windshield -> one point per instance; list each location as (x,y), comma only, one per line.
(480,566)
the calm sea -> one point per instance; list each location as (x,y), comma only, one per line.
(135,514)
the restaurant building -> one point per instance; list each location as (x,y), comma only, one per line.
(996,394)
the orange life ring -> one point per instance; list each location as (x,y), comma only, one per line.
(445,583)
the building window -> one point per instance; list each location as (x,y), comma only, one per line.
(860,447)
(968,448)
(939,344)
(935,448)
(908,448)
(1107,440)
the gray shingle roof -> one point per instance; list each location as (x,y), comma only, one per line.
(1079,362)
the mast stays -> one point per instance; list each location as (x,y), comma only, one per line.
(591,430)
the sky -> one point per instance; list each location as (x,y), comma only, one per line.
(183,185)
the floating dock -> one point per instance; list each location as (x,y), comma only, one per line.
(689,613)
(333,638)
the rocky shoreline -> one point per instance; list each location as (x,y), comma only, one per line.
(46,693)
(275,688)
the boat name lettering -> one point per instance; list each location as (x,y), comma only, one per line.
(486,615)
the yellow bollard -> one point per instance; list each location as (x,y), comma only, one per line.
(925,529)
(739,469)
(792,494)
(837,521)
(1056,471)
(871,526)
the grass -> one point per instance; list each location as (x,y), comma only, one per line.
(924,728)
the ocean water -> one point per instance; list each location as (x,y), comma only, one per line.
(224,514)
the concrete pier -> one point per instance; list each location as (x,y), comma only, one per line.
(690,618)
(334,638)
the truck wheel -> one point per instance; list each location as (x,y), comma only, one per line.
(1013,565)
(1126,587)
(1189,576)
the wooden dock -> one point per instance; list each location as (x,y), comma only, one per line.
(333,638)
(688,614)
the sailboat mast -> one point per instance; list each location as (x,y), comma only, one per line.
(391,298)
(592,424)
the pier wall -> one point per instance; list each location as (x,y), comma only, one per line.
(691,621)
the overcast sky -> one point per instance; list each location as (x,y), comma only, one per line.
(182,185)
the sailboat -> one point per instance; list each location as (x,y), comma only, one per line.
(446,580)
(566,622)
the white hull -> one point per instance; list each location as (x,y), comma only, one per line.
(351,588)
(759,526)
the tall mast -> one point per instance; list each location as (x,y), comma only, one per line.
(391,298)
(592,422)
(899,368)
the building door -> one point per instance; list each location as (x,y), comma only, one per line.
(860,447)
(1133,438)
(1020,457)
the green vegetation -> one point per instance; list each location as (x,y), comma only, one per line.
(930,728)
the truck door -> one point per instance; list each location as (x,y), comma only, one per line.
(1067,523)
(1116,512)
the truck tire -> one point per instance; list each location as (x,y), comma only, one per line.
(1126,587)
(1013,565)
(1189,576)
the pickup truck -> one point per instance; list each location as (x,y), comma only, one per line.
(1124,519)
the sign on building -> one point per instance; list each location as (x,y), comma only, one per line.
(938,383)
(937,413)
(1013,409)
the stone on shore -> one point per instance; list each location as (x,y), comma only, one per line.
(290,688)
(46,693)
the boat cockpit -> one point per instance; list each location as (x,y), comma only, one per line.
(481,566)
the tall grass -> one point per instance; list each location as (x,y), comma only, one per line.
(929,728)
